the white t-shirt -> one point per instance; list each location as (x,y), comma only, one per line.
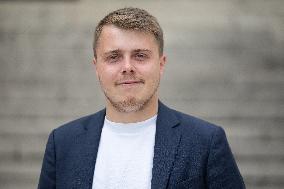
(125,155)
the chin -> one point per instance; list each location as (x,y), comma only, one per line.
(128,105)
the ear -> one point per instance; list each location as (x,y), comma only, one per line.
(94,61)
(95,64)
(163,60)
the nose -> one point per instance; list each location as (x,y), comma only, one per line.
(127,66)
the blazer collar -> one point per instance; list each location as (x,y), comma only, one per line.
(88,141)
(166,142)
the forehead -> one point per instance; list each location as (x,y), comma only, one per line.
(113,37)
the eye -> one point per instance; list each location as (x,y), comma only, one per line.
(113,58)
(141,56)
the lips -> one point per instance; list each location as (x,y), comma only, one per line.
(129,82)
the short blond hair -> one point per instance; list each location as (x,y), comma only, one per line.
(131,19)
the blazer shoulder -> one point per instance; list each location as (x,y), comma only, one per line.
(80,124)
(191,124)
(198,133)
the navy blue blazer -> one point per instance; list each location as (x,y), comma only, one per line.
(189,153)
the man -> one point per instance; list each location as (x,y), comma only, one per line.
(136,141)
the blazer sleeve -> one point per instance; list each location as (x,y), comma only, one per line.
(48,170)
(222,170)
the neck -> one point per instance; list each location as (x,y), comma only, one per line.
(148,111)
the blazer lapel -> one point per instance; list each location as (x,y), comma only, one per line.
(166,143)
(87,147)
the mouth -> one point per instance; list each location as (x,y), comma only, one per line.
(129,82)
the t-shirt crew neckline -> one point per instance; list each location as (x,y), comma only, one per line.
(129,128)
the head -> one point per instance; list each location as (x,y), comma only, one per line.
(128,54)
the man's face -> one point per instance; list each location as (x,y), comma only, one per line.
(129,67)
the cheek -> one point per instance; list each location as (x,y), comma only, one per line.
(107,77)
(154,72)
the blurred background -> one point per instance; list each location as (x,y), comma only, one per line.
(225,65)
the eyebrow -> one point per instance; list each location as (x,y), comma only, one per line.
(116,51)
(142,50)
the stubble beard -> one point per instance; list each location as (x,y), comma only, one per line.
(131,104)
